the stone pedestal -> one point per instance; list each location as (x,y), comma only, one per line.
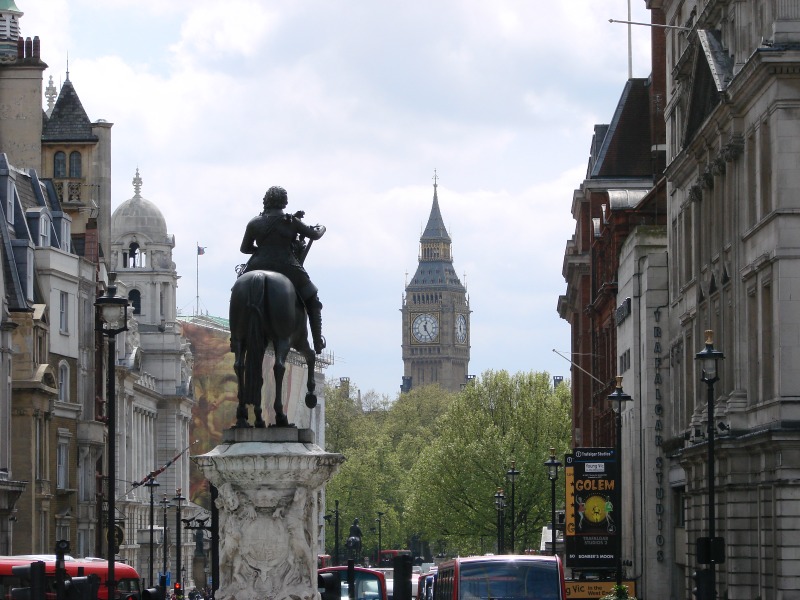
(269,483)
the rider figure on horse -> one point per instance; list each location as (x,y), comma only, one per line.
(272,239)
(354,540)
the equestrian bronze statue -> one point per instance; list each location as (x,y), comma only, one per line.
(270,302)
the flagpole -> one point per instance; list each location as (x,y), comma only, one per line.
(197,281)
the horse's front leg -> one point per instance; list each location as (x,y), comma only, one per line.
(311,385)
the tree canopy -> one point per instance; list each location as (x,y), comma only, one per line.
(432,461)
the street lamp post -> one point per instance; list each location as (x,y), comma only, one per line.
(113,311)
(163,582)
(500,506)
(335,517)
(178,499)
(512,475)
(619,397)
(552,465)
(378,520)
(152,484)
(715,548)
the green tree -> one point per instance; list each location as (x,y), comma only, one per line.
(381,444)
(496,419)
(343,416)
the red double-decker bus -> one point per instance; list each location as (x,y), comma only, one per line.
(128,581)
(505,576)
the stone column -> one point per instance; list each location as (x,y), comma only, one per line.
(268,482)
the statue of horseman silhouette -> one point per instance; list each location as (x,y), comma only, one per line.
(269,303)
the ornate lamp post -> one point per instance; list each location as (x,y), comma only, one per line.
(178,499)
(619,397)
(552,465)
(165,505)
(113,312)
(512,475)
(500,506)
(378,521)
(715,548)
(152,484)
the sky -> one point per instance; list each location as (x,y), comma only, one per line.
(352,106)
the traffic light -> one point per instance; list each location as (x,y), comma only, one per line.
(178,590)
(82,588)
(329,587)
(33,574)
(152,594)
(702,585)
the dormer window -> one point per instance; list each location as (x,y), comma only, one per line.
(44,231)
(60,165)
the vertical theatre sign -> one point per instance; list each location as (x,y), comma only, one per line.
(592,498)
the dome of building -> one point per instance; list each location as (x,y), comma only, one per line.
(140,216)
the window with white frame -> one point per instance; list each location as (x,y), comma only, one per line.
(83,542)
(44,231)
(63,382)
(62,465)
(63,314)
(66,236)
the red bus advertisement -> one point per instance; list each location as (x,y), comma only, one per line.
(128,580)
(506,576)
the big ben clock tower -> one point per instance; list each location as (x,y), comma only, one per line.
(436,314)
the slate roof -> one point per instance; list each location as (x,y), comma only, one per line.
(435,229)
(68,122)
(435,273)
(625,148)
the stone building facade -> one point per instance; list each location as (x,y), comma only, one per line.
(58,248)
(726,261)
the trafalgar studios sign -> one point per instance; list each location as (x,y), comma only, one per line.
(592,499)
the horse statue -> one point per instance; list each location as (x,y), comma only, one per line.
(353,545)
(264,309)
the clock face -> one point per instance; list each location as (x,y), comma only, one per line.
(461,329)
(425,328)
(596,509)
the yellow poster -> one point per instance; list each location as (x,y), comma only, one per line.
(586,590)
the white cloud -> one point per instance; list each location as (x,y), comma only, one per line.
(351,106)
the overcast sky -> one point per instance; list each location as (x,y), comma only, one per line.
(351,106)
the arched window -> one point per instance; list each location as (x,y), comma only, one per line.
(60,165)
(134,257)
(135,297)
(75,164)
(63,382)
